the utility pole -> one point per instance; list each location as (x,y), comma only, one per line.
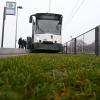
(49,5)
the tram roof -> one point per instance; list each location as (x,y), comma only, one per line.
(47,16)
(50,14)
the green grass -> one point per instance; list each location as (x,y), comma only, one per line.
(50,77)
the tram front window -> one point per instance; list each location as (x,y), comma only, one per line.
(48,26)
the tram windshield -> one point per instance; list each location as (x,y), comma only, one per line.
(48,26)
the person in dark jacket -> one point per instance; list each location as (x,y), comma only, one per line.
(20,42)
(24,43)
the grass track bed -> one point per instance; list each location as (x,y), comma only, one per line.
(50,77)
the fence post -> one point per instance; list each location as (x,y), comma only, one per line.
(97,40)
(66,47)
(74,45)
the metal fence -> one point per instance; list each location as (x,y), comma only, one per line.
(86,43)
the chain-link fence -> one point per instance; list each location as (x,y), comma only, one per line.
(86,43)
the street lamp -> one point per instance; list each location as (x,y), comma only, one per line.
(18,7)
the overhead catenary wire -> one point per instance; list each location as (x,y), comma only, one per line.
(75,6)
(74,12)
(78,8)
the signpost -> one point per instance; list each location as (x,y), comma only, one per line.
(3,27)
(10,9)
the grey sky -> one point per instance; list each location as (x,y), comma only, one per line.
(76,19)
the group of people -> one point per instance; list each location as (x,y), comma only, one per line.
(22,43)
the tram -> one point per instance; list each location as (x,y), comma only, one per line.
(46,32)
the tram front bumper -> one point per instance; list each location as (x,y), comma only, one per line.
(49,47)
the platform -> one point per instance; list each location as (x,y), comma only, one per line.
(10,51)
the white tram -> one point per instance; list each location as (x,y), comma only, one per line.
(46,32)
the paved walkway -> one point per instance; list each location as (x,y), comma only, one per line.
(11,51)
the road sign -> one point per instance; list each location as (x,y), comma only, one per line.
(10,8)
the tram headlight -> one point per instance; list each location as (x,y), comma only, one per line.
(57,40)
(37,39)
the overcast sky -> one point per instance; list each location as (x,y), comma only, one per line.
(78,17)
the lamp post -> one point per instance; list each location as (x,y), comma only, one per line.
(18,7)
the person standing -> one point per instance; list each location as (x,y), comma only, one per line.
(20,42)
(25,44)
